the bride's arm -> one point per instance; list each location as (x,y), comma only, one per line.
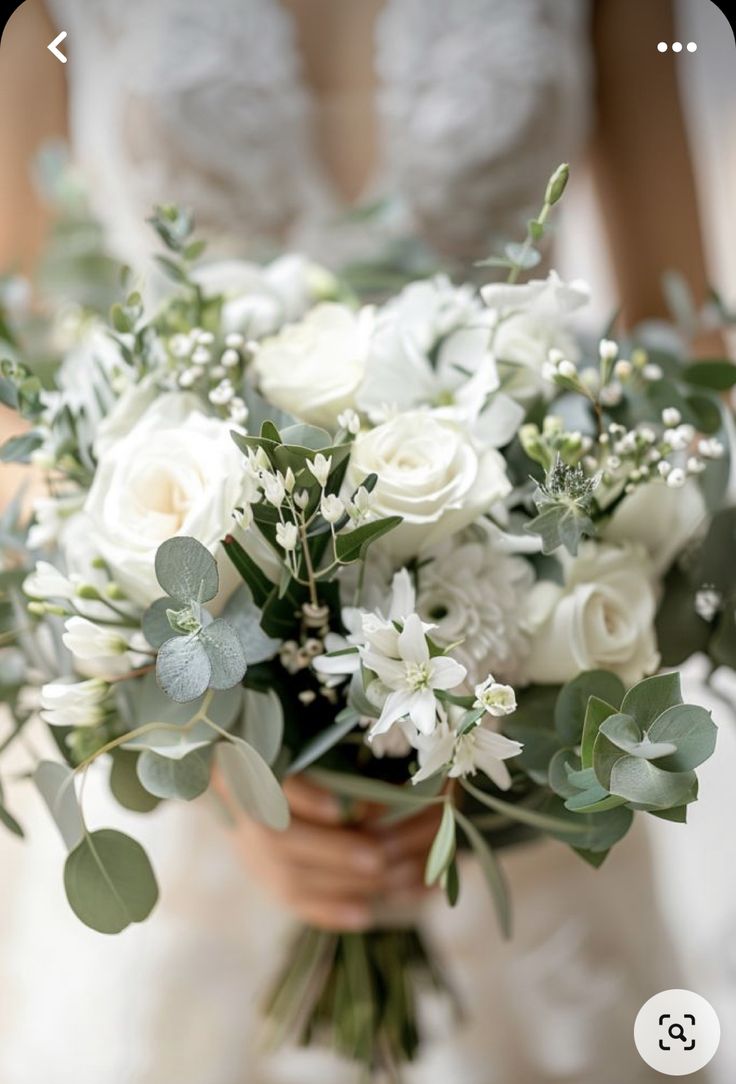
(641,158)
(32,111)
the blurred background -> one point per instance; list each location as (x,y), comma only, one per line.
(48,962)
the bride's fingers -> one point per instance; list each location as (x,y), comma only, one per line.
(341,849)
(410,837)
(314,803)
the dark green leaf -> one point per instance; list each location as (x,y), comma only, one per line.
(109,881)
(126,786)
(353,545)
(572,702)
(596,712)
(259,584)
(324,740)
(715,374)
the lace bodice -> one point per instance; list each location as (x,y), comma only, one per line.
(206,105)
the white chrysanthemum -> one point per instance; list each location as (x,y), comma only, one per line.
(474,593)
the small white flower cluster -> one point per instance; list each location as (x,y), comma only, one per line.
(197,365)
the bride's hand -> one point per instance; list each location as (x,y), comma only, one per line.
(332,875)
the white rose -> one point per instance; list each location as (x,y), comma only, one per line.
(177,472)
(661,519)
(535,320)
(313,368)
(430,473)
(602,618)
(130,406)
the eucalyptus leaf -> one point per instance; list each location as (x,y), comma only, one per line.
(689,731)
(8,820)
(253,784)
(56,786)
(125,785)
(596,712)
(244,616)
(185,778)
(176,729)
(442,851)
(310,437)
(183,668)
(109,881)
(650,697)
(642,782)
(572,703)
(263,723)
(155,624)
(186,570)
(225,653)
(515,811)
(622,731)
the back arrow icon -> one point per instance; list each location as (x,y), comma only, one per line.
(57,52)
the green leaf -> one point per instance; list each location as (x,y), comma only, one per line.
(678,814)
(375,790)
(691,730)
(491,870)
(185,778)
(225,653)
(155,624)
(253,783)
(55,784)
(10,822)
(644,783)
(562,524)
(109,881)
(325,740)
(244,616)
(259,584)
(715,374)
(646,701)
(520,813)
(18,449)
(592,796)
(172,269)
(309,437)
(572,703)
(183,668)
(450,882)
(125,785)
(263,723)
(603,828)
(186,570)
(442,850)
(176,729)
(596,712)
(353,545)
(622,732)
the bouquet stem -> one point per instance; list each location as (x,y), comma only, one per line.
(357,993)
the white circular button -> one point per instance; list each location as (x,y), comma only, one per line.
(662,47)
(677,1032)
(676,46)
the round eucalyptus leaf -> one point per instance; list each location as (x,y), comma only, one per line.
(109,881)
(183,727)
(306,436)
(642,782)
(646,701)
(263,722)
(253,784)
(125,785)
(156,625)
(225,653)
(186,570)
(183,668)
(245,617)
(689,732)
(572,701)
(165,777)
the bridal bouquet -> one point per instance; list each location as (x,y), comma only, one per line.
(431,552)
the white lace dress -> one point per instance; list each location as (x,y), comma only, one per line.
(205,104)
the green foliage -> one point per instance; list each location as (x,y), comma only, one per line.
(252,783)
(325,740)
(185,778)
(55,784)
(442,851)
(125,785)
(491,871)
(198,653)
(564,504)
(262,723)
(109,881)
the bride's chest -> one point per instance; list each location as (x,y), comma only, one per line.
(270,111)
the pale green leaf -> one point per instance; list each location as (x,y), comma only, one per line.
(55,783)
(186,570)
(442,850)
(253,784)
(185,778)
(183,668)
(263,722)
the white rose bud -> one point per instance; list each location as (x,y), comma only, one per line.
(497,699)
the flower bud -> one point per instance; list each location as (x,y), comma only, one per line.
(557,184)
